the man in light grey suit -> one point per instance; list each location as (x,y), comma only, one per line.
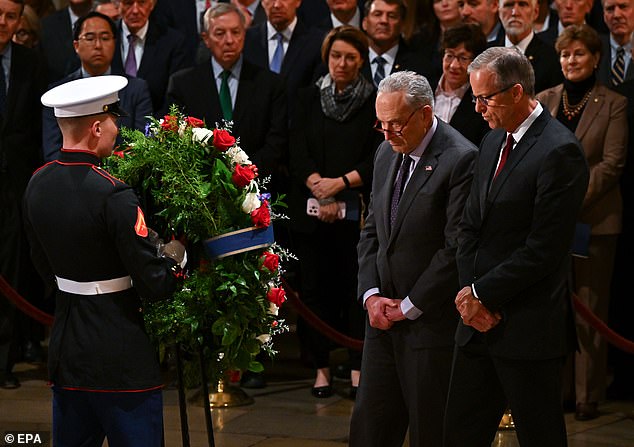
(407,268)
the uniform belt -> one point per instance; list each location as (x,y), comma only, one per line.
(94,287)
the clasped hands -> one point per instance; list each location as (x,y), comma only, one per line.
(325,188)
(474,313)
(383,312)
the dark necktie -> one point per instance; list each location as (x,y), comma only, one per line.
(505,155)
(3,88)
(225,96)
(399,186)
(130,60)
(618,69)
(278,56)
(379,74)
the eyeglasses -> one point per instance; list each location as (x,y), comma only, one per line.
(378,126)
(462,60)
(23,33)
(92,38)
(484,100)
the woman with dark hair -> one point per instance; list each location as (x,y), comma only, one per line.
(332,147)
(453,102)
(598,117)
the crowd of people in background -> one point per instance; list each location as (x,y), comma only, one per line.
(299,81)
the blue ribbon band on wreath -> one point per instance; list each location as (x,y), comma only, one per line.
(239,241)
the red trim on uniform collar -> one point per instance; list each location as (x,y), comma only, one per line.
(79,150)
(43,166)
(105,175)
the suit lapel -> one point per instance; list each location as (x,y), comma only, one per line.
(149,50)
(517,154)
(423,171)
(246,90)
(593,106)
(629,73)
(209,98)
(294,48)
(552,101)
(395,164)
(262,40)
(489,157)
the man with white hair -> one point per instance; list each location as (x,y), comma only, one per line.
(407,268)
(517,17)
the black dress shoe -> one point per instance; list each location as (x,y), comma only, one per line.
(587,411)
(321,392)
(9,382)
(353,392)
(252,380)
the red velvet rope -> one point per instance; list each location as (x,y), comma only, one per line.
(303,311)
(22,304)
(612,337)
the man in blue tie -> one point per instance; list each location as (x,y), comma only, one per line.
(383,23)
(285,45)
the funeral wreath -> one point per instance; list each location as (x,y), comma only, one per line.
(198,185)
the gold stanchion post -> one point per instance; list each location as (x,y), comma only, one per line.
(507,421)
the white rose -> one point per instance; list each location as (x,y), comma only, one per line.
(251,203)
(238,156)
(264,338)
(201,135)
(273,309)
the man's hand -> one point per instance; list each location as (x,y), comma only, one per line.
(393,312)
(377,307)
(474,313)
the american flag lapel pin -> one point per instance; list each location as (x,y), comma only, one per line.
(428,168)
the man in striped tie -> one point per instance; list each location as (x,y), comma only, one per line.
(615,66)
(383,23)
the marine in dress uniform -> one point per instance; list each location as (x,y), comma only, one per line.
(88,234)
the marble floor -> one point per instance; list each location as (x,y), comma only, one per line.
(283,414)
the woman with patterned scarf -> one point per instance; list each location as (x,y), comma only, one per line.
(331,151)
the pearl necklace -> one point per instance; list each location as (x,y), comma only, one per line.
(573,110)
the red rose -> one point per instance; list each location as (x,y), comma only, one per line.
(223,140)
(276,295)
(170,122)
(242,175)
(261,217)
(194,122)
(119,154)
(271,261)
